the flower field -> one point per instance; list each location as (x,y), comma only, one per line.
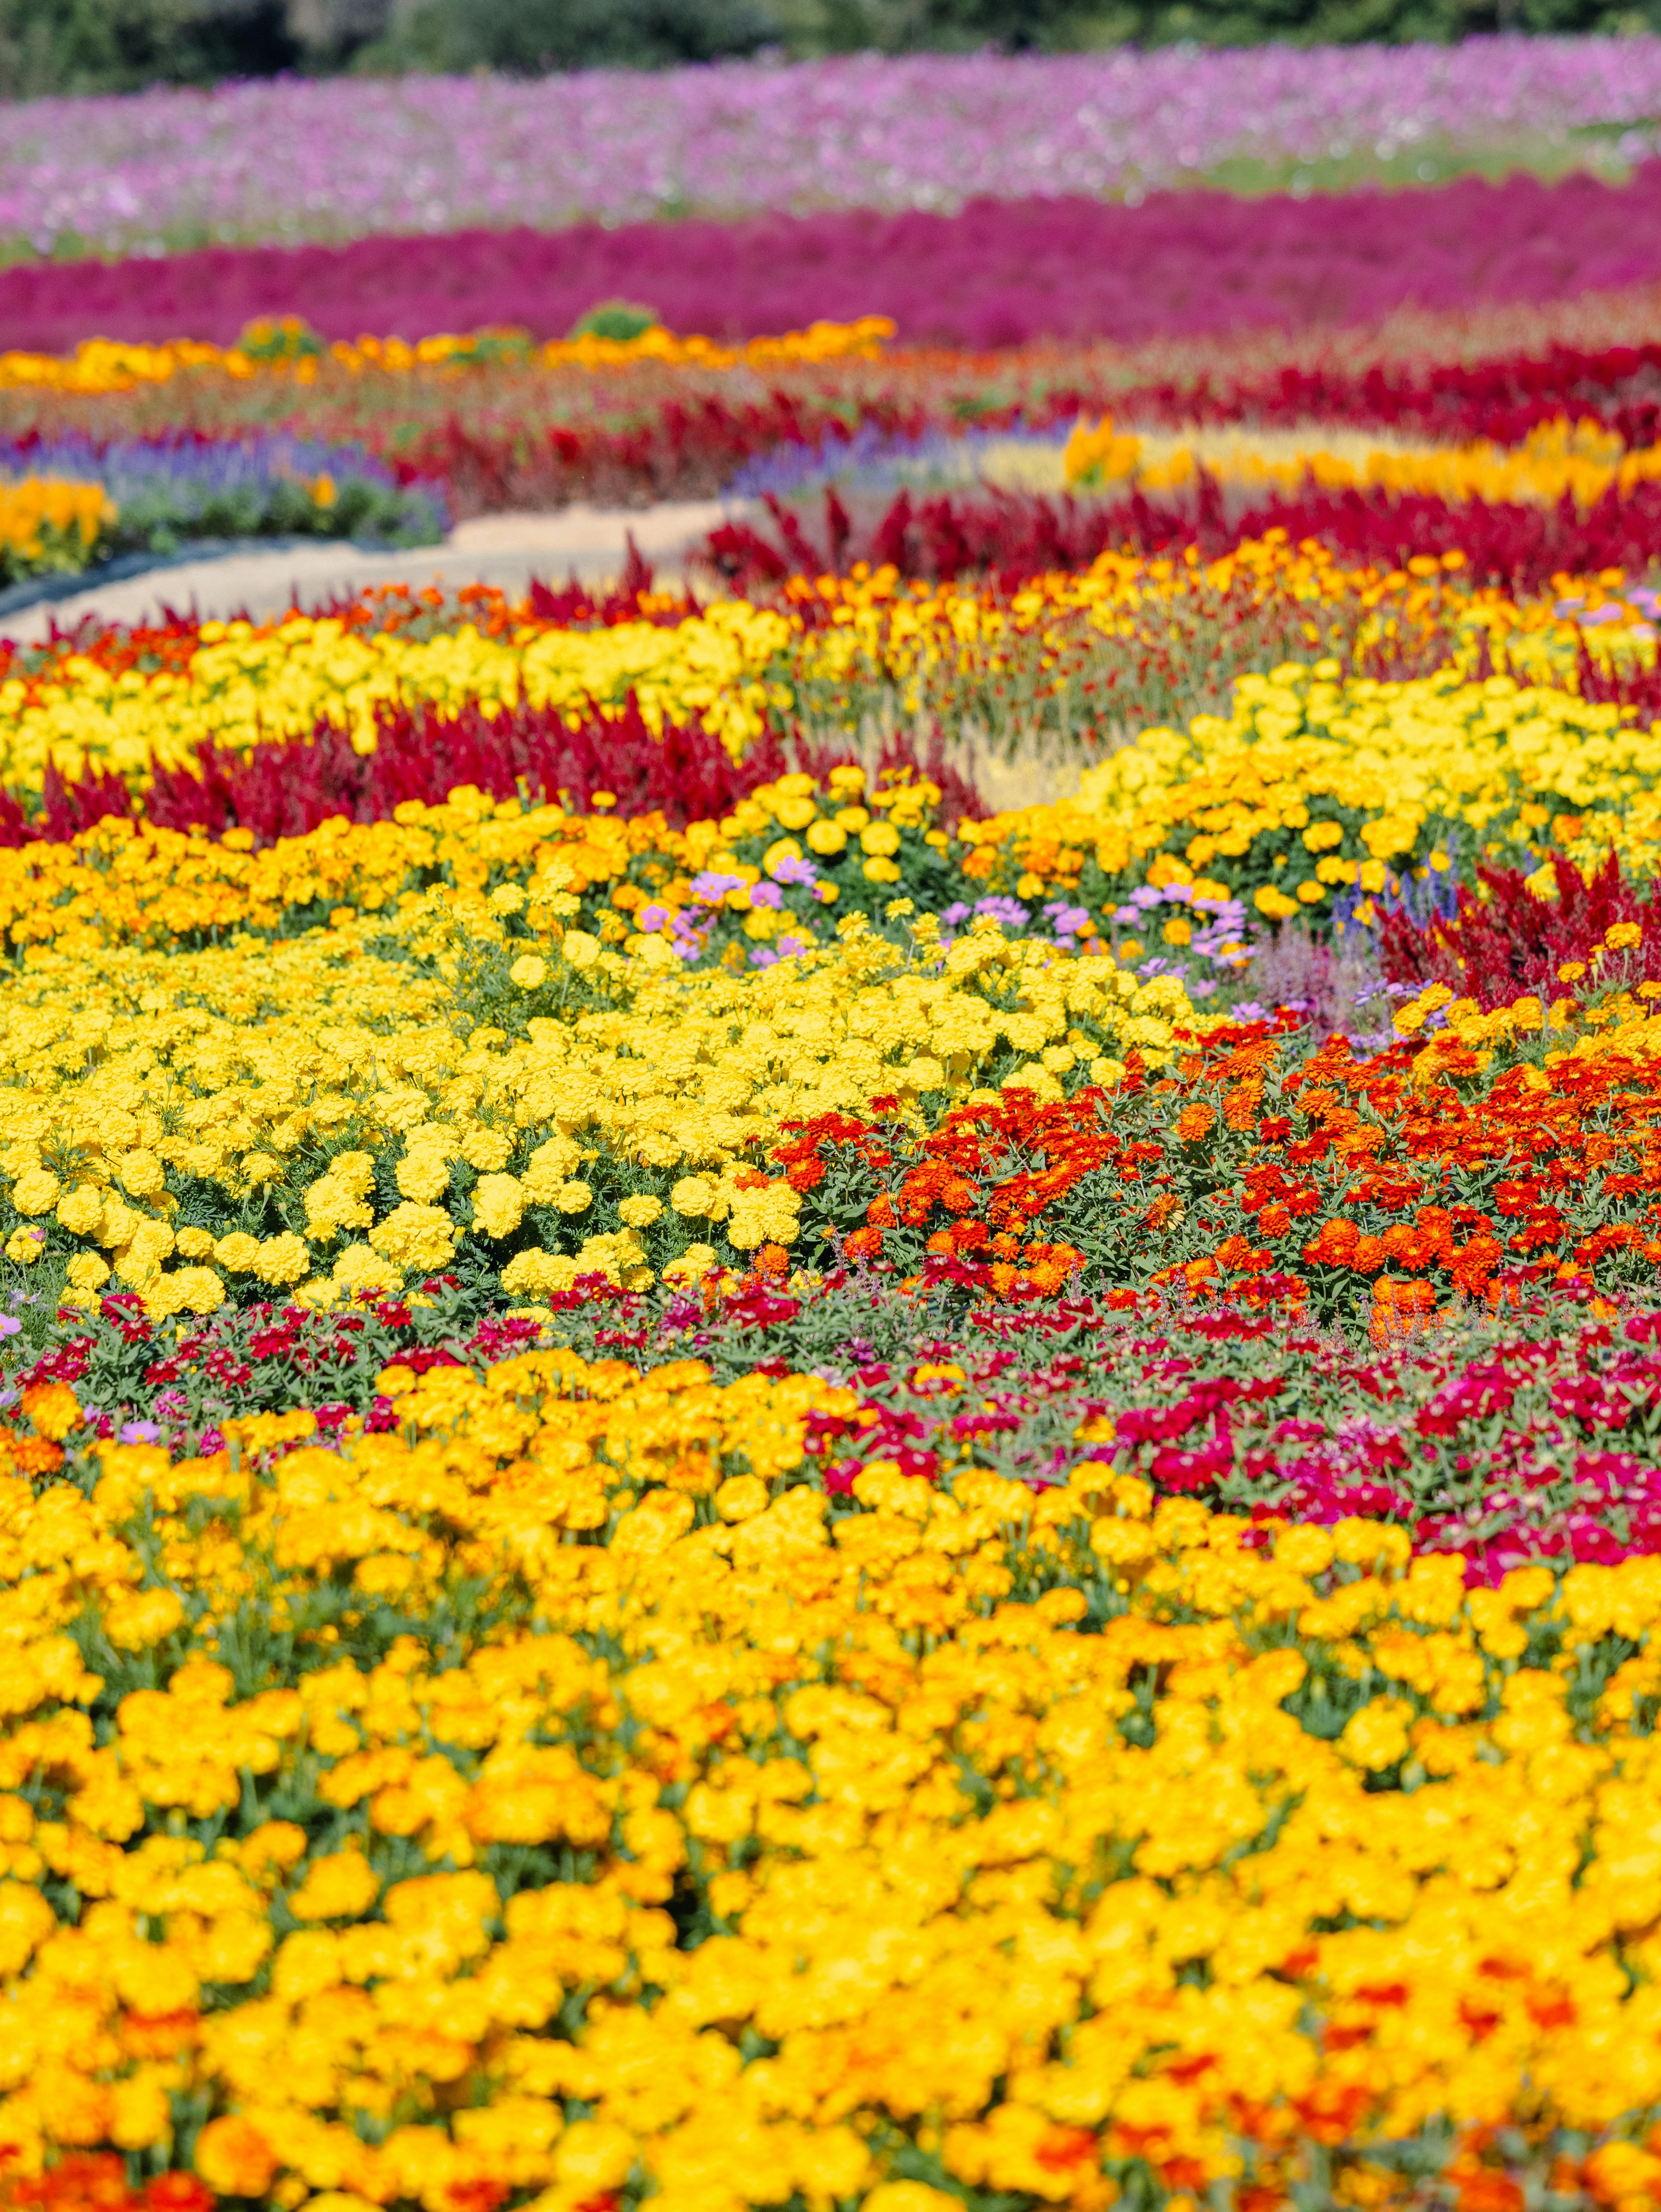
(183,168)
(831,1387)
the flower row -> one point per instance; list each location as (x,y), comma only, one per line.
(1580,461)
(531,1046)
(286,346)
(558,1791)
(506,423)
(234,684)
(1075,656)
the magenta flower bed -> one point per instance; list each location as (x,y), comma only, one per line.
(352,158)
(996,274)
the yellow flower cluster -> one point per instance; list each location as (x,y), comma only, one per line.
(1583,461)
(116,882)
(40,515)
(1058,1847)
(1315,784)
(243,683)
(1623,1026)
(104,365)
(322,1113)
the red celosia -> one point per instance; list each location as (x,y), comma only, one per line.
(1504,944)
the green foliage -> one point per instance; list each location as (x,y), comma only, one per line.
(529,36)
(283,337)
(118,45)
(167,515)
(617,319)
(53,47)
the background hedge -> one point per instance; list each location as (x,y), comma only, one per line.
(114,45)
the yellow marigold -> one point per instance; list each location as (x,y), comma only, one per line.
(616,1255)
(80,1210)
(696,1262)
(498,1205)
(741,1497)
(147,1243)
(528,971)
(415,1235)
(237,1253)
(337,1200)
(282,1260)
(138,1618)
(187,1289)
(910,2196)
(24,1246)
(140,1173)
(640,1211)
(87,1272)
(53,1408)
(424,1175)
(549,1165)
(592,2157)
(235,2159)
(1376,1736)
(764,1217)
(488,1150)
(141,2113)
(359,1268)
(195,1243)
(342,1886)
(1274,905)
(534,1274)
(700,1196)
(35,1191)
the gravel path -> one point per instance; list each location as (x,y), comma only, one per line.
(504,549)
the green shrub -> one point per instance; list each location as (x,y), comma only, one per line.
(618,320)
(118,45)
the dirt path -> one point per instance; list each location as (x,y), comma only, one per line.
(504,549)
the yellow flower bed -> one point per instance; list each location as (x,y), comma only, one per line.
(731,1845)
(1582,460)
(245,683)
(330,1112)
(1313,785)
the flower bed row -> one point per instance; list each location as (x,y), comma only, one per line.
(503,423)
(422,155)
(286,347)
(561,1793)
(1016,533)
(133,712)
(998,273)
(1073,660)
(335,1088)
(66,505)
